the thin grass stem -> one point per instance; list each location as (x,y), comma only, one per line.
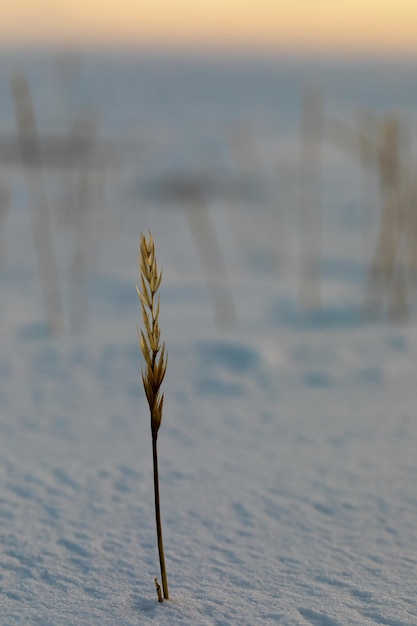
(156,362)
(158,517)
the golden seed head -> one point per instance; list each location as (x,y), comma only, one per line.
(149,338)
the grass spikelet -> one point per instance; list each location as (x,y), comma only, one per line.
(156,359)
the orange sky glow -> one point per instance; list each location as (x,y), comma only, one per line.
(323,25)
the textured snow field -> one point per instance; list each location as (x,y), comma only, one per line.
(288,461)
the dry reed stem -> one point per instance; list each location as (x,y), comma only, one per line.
(31,158)
(156,363)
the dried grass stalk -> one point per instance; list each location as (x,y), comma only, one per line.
(156,363)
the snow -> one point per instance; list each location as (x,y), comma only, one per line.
(287,447)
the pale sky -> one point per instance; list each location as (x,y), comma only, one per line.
(346,25)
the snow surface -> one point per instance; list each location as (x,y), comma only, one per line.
(287,449)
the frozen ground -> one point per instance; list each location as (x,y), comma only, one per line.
(287,450)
